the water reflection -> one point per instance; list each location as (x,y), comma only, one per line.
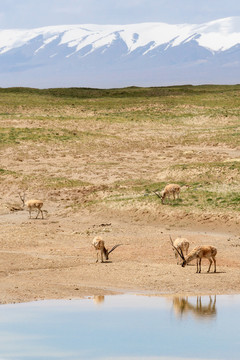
(122,327)
(98,299)
(197,307)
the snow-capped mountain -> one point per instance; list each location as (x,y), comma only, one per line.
(147,54)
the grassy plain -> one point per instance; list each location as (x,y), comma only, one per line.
(187,134)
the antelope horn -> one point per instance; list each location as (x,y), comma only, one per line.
(113,248)
(22,197)
(179,253)
(156,193)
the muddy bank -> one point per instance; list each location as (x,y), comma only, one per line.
(53,258)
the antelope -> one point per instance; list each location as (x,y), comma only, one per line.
(32,204)
(182,244)
(170,189)
(99,246)
(203,251)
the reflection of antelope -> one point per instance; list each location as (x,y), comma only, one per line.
(32,204)
(98,299)
(182,306)
(170,189)
(182,244)
(99,246)
(204,251)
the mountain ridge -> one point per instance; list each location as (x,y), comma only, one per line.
(145,54)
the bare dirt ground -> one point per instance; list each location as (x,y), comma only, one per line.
(53,258)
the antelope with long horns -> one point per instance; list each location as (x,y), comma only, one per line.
(203,251)
(99,246)
(32,204)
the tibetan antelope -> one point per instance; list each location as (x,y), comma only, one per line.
(32,204)
(203,251)
(170,190)
(99,246)
(180,243)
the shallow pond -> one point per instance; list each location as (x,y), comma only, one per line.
(122,327)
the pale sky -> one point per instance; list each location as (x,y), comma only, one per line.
(37,13)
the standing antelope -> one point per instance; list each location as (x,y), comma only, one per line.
(32,204)
(182,244)
(170,189)
(203,251)
(99,246)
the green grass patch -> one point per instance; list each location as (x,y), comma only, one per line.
(210,100)
(40,135)
(63,182)
(225,165)
(197,196)
(4,172)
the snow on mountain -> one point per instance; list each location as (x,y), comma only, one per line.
(216,35)
(71,55)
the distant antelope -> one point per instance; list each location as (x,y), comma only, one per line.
(32,204)
(203,251)
(180,243)
(170,189)
(99,246)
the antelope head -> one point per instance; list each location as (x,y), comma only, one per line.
(162,196)
(179,251)
(184,263)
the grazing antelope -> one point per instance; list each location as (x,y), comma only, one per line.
(32,204)
(170,189)
(99,246)
(203,251)
(180,243)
